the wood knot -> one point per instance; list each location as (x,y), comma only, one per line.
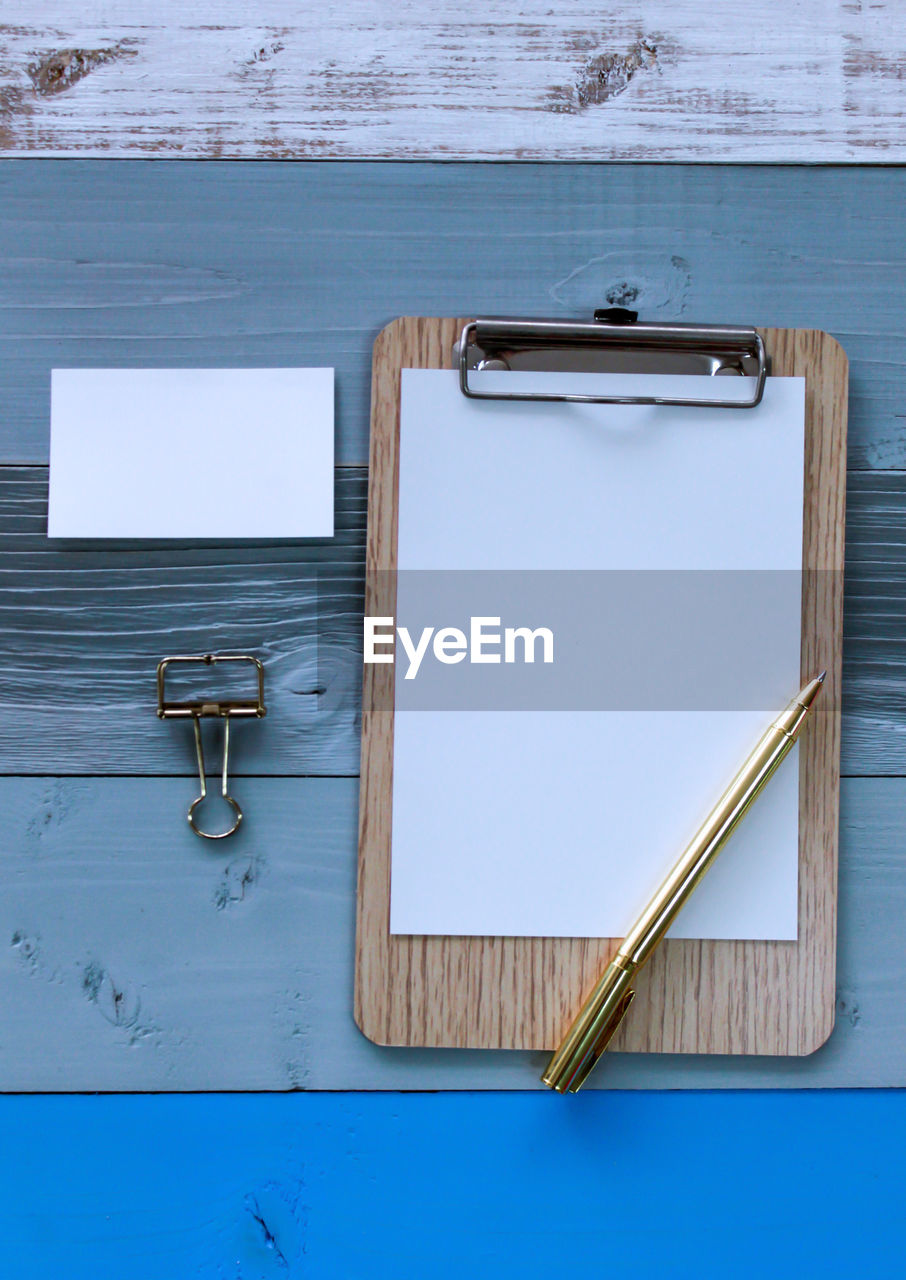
(59,71)
(608,74)
(604,76)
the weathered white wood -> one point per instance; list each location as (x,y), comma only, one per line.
(132,956)
(819,80)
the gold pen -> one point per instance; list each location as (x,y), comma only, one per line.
(612,995)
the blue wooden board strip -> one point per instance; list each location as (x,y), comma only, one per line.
(83,626)
(133,957)
(299,606)
(874,625)
(341,1188)
(172,263)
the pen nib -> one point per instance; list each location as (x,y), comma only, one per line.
(811,691)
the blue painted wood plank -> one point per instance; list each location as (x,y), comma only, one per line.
(133,956)
(874,625)
(343,1187)
(131,262)
(299,606)
(84,625)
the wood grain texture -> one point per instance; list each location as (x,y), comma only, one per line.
(301,605)
(83,626)
(816,82)
(179,264)
(132,957)
(875,624)
(521,993)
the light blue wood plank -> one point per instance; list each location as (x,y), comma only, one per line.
(131,262)
(133,956)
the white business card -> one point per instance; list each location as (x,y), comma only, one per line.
(191,453)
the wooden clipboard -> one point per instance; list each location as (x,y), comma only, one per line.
(728,997)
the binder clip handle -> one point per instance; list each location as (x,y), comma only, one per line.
(196,709)
(203,786)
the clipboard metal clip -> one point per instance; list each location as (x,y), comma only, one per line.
(613,342)
(224,709)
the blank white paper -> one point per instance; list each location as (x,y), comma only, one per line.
(191,453)
(562,823)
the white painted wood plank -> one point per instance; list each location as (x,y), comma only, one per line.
(816,80)
(134,957)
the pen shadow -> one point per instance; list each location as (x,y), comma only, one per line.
(596,1121)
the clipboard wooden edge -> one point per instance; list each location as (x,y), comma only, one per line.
(696,996)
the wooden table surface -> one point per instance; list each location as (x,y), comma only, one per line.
(138,958)
(131,958)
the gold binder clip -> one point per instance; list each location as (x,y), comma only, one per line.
(224,710)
